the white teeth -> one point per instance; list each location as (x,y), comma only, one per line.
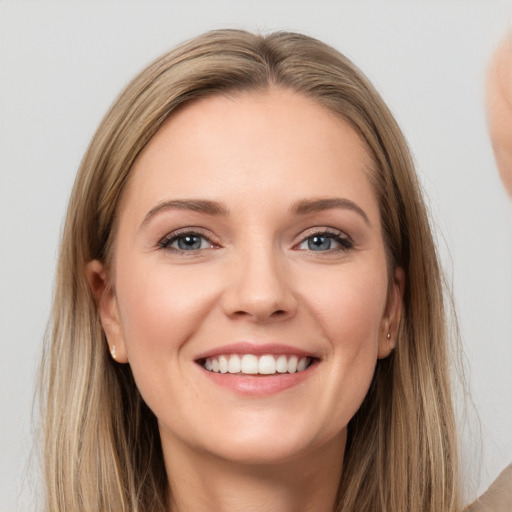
(301,365)
(252,365)
(282,364)
(223,364)
(267,365)
(249,364)
(234,364)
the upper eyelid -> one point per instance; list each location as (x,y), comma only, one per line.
(305,234)
(342,238)
(319,230)
(173,235)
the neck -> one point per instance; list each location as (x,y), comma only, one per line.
(201,482)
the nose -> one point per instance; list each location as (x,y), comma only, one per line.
(259,289)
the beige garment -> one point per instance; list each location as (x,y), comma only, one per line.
(498,498)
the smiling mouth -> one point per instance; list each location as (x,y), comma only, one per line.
(250,364)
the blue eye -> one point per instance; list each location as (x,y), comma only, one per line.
(321,242)
(185,242)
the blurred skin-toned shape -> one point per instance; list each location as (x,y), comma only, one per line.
(499,108)
(498,497)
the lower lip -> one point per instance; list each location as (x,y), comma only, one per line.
(259,385)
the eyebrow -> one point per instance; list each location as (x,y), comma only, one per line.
(215,208)
(195,205)
(306,206)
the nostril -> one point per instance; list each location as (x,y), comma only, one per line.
(258,304)
(241,313)
(277,314)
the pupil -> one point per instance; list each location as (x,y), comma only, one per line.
(317,243)
(189,242)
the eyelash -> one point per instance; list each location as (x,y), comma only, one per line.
(343,240)
(169,239)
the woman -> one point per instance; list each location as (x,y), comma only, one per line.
(249,310)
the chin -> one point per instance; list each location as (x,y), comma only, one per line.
(280,439)
(261,452)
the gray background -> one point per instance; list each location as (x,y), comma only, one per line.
(61,65)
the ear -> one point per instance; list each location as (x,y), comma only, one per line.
(393,312)
(106,302)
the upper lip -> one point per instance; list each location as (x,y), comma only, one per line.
(247,347)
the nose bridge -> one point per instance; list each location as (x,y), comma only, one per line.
(259,287)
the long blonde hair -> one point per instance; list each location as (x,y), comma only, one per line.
(102,449)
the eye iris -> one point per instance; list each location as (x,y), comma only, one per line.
(189,242)
(319,243)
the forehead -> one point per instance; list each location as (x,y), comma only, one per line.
(273,145)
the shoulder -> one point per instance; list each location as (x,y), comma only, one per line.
(498,498)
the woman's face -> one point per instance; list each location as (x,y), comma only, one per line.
(249,287)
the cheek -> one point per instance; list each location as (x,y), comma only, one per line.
(161,306)
(161,309)
(349,314)
(350,306)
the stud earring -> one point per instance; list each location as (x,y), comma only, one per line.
(389,336)
(113,352)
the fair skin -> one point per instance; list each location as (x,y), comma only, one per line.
(499,109)
(249,228)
